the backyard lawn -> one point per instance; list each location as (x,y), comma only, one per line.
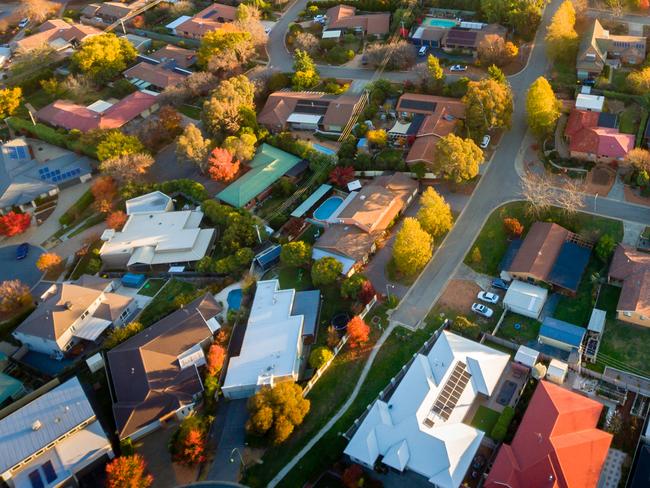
(625,346)
(630,118)
(577,310)
(527,330)
(485,419)
(151,287)
(297,278)
(163,304)
(608,299)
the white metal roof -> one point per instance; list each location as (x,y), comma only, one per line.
(354,185)
(590,102)
(557,369)
(597,320)
(525,296)
(297,118)
(396,430)
(100,106)
(156,201)
(92,328)
(526,356)
(331,34)
(175,23)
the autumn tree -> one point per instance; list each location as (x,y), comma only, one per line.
(458,159)
(332,336)
(494,49)
(191,146)
(358,332)
(127,168)
(513,227)
(341,175)
(305,41)
(305,74)
(638,159)
(221,165)
(221,113)
(242,147)
(561,36)
(9,101)
(118,335)
(495,73)
(103,56)
(188,444)
(295,254)
(353,476)
(325,271)
(215,359)
(412,248)
(48,261)
(377,137)
(367,292)
(37,10)
(169,121)
(116,220)
(13,223)
(128,472)
(434,215)
(542,107)
(319,356)
(277,411)
(639,81)
(14,295)
(116,143)
(488,105)
(225,49)
(351,286)
(435,70)
(104,191)
(248,20)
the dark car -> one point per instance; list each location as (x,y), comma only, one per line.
(500,284)
(21,251)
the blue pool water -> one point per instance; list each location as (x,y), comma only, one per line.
(327,208)
(444,23)
(45,364)
(323,149)
(234,299)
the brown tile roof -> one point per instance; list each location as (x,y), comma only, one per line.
(184,57)
(633,268)
(344,17)
(208,19)
(69,115)
(145,371)
(540,249)
(53,30)
(586,137)
(156,74)
(114,9)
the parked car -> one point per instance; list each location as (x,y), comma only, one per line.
(458,67)
(500,284)
(485,142)
(22,251)
(423,51)
(364,59)
(23,23)
(320,19)
(480,309)
(487,297)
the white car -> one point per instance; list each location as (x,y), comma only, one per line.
(423,51)
(458,67)
(481,309)
(485,142)
(23,23)
(487,297)
(320,19)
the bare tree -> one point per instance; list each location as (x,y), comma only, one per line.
(538,192)
(570,197)
(306,42)
(130,167)
(37,10)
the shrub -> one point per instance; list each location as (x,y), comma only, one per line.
(500,429)
(513,227)
(320,356)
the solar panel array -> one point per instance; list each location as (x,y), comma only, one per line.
(314,107)
(57,175)
(418,105)
(461,37)
(17,152)
(451,392)
(209,14)
(591,347)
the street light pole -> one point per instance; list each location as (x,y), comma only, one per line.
(595,199)
(387,292)
(241,459)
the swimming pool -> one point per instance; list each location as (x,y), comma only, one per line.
(444,23)
(323,149)
(327,208)
(234,299)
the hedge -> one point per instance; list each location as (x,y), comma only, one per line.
(500,429)
(363,5)
(77,209)
(51,136)
(191,189)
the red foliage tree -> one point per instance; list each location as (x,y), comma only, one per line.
(644,4)
(366,293)
(352,475)
(116,220)
(221,165)
(104,190)
(14,223)
(513,227)
(192,447)
(342,175)
(358,332)
(215,359)
(128,472)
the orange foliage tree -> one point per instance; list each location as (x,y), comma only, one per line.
(13,223)
(352,476)
(358,331)
(215,359)
(341,175)
(104,190)
(221,165)
(128,472)
(116,220)
(189,442)
(47,261)
(513,227)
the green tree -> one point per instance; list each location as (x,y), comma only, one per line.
(495,73)
(352,286)
(488,105)
(435,213)
(561,36)
(605,247)
(103,56)
(412,248)
(9,101)
(542,107)
(465,327)
(495,11)
(222,112)
(120,334)
(458,159)
(305,74)
(436,72)
(500,429)
(241,147)
(225,49)
(320,356)
(325,271)
(116,143)
(296,253)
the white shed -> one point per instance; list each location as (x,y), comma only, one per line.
(557,371)
(525,299)
(590,103)
(526,356)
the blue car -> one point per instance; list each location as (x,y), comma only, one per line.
(500,284)
(21,251)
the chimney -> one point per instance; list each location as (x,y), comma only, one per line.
(68,305)
(36,425)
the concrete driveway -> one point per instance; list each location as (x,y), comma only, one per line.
(228,433)
(24,270)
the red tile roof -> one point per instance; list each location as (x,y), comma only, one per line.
(557,444)
(210,18)
(586,137)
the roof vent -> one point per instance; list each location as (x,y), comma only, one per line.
(36,425)
(68,305)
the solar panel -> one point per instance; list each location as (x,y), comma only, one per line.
(461,37)
(313,107)
(22,152)
(209,14)
(452,391)
(418,105)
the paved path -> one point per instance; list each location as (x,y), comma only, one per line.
(335,418)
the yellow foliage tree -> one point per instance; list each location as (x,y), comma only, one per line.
(9,101)
(48,261)
(435,213)
(542,107)
(412,249)
(561,36)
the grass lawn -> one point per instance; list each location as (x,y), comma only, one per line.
(625,346)
(163,304)
(499,347)
(151,287)
(90,262)
(493,242)
(629,119)
(485,419)
(577,310)
(608,299)
(528,330)
(190,111)
(297,278)
(88,223)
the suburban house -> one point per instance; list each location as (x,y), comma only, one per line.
(155,374)
(312,111)
(362,218)
(599,48)
(595,136)
(267,167)
(561,339)
(210,18)
(52,440)
(100,114)
(71,312)
(108,12)
(548,254)
(140,43)
(557,443)
(453,35)
(273,340)
(344,18)
(419,426)
(424,120)
(152,75)
(56,34)
(156,238)
(182,58)
(156,201)
(24,179)
(525,299)
(630,269)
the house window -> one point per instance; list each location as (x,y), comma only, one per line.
(627,314)
(84,315)
(35,479)
(48,469)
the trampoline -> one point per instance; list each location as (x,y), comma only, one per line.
(340,321)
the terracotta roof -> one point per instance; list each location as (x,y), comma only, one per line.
(114,9)
(184,57)
(147,378)
(557,444)
(580,119)
(55,29)
(633,268)
(345,17)
(156,74)
(69,115)
(602,142)
(540,249)
(208,19)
